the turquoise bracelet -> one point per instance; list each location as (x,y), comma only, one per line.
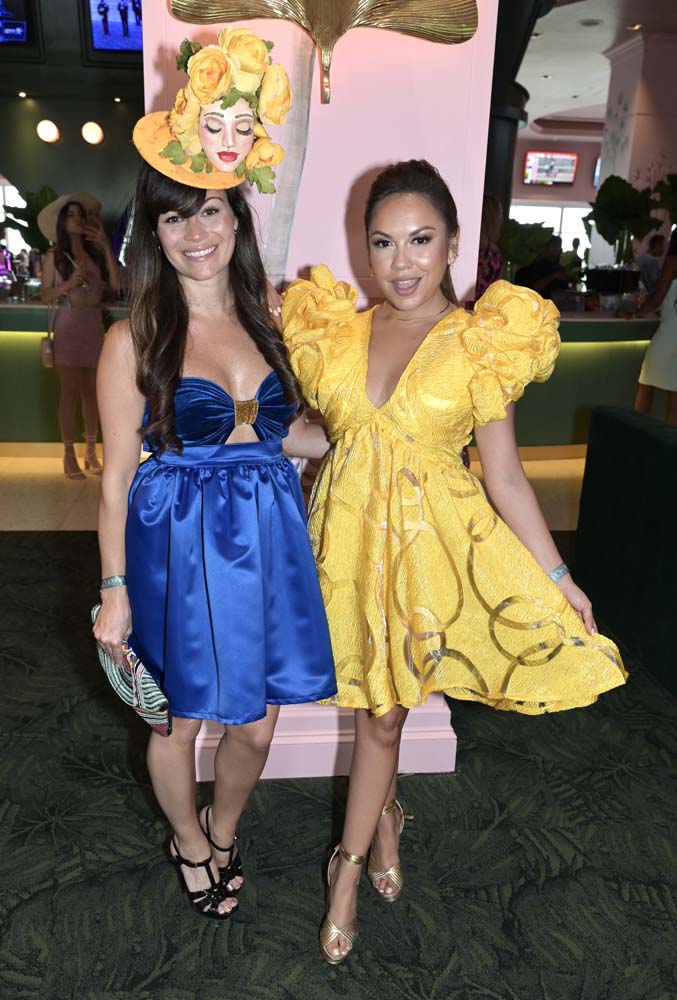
(558,572)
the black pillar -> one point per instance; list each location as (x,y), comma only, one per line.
(516,20)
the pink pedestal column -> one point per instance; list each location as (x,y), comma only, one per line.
(640,130)
(314,741)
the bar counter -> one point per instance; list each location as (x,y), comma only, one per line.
(598,365)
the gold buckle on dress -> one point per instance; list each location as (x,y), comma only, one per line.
(246,411)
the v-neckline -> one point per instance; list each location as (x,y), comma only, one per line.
(406,368)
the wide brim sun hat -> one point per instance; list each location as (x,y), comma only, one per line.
(48,217)
(237,68)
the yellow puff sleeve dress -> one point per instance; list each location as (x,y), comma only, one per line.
(426,589)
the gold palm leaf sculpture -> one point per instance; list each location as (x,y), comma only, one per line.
(446,21)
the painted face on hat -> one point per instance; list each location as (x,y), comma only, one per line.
(226,136)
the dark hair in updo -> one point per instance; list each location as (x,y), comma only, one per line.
(416,177)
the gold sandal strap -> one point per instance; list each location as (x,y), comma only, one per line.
(329,932)
(354,859)
(394,873)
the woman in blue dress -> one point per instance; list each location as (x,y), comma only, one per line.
(206,564)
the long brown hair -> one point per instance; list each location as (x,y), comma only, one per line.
(416,177)
(63,248)
(159,311)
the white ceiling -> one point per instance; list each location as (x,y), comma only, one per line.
(572,54)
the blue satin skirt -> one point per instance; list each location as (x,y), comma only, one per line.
(227,612)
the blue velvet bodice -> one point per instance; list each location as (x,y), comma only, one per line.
(205,413)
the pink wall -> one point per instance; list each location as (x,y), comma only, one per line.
(393,97)
(581,192)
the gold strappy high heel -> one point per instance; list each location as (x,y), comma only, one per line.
(394,873)
(329,932)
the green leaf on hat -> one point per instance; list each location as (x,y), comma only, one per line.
(173,151)
(239,170)
(234,95)
(187,50)
(269,45)
(198,163)
(263,177)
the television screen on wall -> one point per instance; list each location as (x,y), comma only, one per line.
(115,25)
(15,22)
(550,167)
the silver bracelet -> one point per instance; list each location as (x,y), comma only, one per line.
(113,581)
(558,572)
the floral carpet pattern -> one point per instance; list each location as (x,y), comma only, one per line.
(545,868)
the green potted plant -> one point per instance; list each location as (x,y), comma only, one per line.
(520,243)
(666,196)
(620,214)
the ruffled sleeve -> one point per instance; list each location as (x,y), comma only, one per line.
(511,339)
(313,313)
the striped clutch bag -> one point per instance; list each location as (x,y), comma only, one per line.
(134,685)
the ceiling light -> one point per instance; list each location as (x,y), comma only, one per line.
(536,34)
(48,131)
(92,133)
(22,93)
(633,27)
(591,22)
(117,99)
(574,97)
(546,76)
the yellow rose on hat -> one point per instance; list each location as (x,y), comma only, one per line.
(264,153)
(183,120)
(249,55)
(211,74)
(275,97)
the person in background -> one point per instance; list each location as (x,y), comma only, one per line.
(490,261)
(136,7)
(123,10)
(545,274)
(649,262)
(6,266)
(659,369)
(35,263)
(102,11)
(77,270)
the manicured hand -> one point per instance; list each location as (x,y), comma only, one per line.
(579,601)
(94,232)
(113,623)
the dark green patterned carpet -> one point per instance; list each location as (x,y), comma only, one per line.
(544,869)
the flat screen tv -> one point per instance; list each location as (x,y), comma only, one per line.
(20,35)
(14,22)
(112,32)
(116,26)
(550,167)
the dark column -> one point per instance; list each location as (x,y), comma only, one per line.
(516,20)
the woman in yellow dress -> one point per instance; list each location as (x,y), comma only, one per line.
(427,585)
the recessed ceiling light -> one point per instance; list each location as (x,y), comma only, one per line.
(92,133)
(117,99)
(48,131)
(574,97)
(633,27)
(591,22)
(536,34)
(546,76)
(22,93)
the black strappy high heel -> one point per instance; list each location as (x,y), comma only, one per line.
(234,867)
(206,902)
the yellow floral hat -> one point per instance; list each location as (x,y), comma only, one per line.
(214,137)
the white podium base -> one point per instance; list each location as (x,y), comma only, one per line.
(313,741)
